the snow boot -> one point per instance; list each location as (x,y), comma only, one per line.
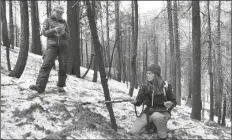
(60,89)
(36,88)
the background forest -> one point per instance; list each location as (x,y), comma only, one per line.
(190,40)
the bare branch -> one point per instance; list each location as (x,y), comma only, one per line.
(160,13)
(185,11)
(75,4)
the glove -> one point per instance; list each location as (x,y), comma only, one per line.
(133,101)
(168,104)
(62,31)
(58,29)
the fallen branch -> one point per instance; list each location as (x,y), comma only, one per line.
(8,84)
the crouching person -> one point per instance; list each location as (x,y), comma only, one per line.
(158,97)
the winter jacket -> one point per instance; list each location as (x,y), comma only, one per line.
(145,95)
(49,31)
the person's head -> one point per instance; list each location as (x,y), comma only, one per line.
(57,12)
(154,79)
(153,71)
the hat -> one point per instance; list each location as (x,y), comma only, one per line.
(58,8)
(155,69)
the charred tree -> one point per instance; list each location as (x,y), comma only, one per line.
(87,55)
(210,72)
(5,39)
(134,44)
(11,25)
(178,60)
(16,29)
(24,42)
(36,46)
(219,65)
(74,41)
(172,50)
(107,33)
(196,41)
(48,8)
(117,32)
(97,48)
(95,65)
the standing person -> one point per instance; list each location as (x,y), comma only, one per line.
(157,95)
(56,29)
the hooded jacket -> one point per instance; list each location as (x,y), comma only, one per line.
(49,31)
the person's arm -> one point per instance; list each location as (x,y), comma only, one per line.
(170,97)
(46,31)
(141,96)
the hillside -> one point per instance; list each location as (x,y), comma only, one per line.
(27,115)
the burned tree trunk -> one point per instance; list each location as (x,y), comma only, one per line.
(36,46)
(219,64)
(117,31)
(196,41)
(178,62)
(172,50)
(97,48)
(134,44)
(5,39)
(11,25)
(74,41)
(24,43)
(210,72)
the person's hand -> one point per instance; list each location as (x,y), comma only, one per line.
(62,31)
(58,29)
(168,104)
(133,101)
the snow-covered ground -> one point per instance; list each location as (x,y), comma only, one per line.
(27,115)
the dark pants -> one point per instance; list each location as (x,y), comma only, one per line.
(48,62)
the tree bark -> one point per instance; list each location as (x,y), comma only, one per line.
(129,54)
(211,116)
(190,73)
(36,46)
(219,64)
(24,42)
(81,43)
(196,41)
(49,8)
(224,112)
(117,31)
(156,51)
(172,50)
(11,25)
(16,29)
(134,44)
(87,56)
(102,36)
(231,55)
(74,41)
(95,65)
(107,32)
(97,48)
(166,58)
(91,60)
(5,39)
(112,56)
(178,60)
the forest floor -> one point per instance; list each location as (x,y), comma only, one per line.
(28,115)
